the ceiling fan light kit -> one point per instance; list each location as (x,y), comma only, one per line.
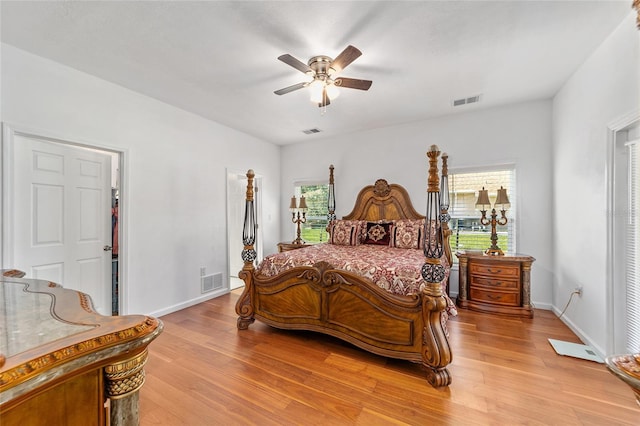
(322,69)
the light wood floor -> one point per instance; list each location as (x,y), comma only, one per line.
(203,371)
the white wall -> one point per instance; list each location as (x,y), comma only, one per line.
(175,173)
(516,134)
(604,89)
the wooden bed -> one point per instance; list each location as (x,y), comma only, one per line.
(345,305)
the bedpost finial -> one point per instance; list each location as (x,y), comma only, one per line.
(250,175)
(433,181)
(445,166)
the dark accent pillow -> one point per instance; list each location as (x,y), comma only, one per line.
(378,233)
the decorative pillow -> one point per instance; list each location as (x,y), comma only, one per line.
(407,233)
(345,232)
(379,233)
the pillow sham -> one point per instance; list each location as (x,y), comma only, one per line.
(345,232)
(407,233)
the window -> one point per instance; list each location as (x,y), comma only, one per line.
(467,231)
(314,230)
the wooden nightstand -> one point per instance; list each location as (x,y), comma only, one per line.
(496,284)
(290,246)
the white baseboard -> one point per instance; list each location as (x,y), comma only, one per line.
(581,335)
(540,305)
(188,303)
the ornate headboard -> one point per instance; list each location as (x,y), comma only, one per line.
(383,201)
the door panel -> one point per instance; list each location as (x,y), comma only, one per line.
(62,216)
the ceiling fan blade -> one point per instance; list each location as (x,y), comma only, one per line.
(353,83)
(295,63)
(347,56)
(290,88)
(325,99)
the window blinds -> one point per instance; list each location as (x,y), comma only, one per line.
(468,233)
(633,251)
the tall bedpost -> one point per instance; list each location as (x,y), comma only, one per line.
(331,199)
(436,353)
(244,308)
(444,209)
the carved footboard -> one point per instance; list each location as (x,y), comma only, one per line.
(350,307)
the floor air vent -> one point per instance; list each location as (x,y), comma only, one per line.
(211,282)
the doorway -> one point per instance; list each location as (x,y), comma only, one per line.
(624,248)
(58,200)
(236,200)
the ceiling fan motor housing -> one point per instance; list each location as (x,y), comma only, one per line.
(320,65)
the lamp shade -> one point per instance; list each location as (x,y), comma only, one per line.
(483,199)
(293,205)
(316,90)
(332,91)
(303,204)
(502,198)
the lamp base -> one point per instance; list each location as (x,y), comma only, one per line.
(494,251)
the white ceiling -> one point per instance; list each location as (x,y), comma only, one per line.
(219,59)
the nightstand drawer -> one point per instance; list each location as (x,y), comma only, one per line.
(504,271)
(495,282)
(498,298)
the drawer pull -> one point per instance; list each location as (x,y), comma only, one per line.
(496,271)
(493,296)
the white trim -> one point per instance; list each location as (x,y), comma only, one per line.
(309,182)
(124,209)
(578,332)
(613,128)
(482,169)
(175,308)
(7,196)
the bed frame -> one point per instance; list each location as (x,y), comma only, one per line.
(342,304)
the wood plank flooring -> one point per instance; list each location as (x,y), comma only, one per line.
(203,371)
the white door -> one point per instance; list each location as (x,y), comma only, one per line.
(61,216)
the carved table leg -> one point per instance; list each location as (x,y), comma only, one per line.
(123,380)
(462,280)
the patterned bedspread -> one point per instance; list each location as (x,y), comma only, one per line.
(393,269)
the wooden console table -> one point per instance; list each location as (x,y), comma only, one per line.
(496,284)
(61,363)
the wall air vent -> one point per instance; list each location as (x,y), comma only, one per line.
(311,131)
(465,101)
(211,282)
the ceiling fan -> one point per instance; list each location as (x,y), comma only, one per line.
(323,70)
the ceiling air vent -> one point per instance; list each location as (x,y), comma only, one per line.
(311,131)
(464,101)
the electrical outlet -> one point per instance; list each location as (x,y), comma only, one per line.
(578,290)
(203,271)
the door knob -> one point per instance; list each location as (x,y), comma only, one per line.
(107,248)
